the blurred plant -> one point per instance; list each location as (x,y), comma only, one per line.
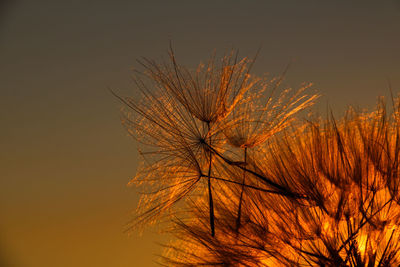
(349,172)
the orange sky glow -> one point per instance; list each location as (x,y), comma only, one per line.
(65,158)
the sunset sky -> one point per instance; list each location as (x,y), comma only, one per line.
(66,159)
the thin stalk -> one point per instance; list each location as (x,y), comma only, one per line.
(239,214)
(210,198)
(239,183)
(281,189)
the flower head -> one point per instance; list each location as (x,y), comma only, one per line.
(179,116)
(209,93)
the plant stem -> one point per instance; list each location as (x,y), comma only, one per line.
(239,214)
(239,183)
(210,198)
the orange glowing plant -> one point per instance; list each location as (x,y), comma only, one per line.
(242,188)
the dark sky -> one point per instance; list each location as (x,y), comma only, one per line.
(65,158)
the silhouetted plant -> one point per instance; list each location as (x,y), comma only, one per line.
(257,192)
(185,118)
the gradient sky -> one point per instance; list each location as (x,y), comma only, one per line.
(65,159)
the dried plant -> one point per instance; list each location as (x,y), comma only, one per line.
(180,115)
(259,187)
(200,99)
